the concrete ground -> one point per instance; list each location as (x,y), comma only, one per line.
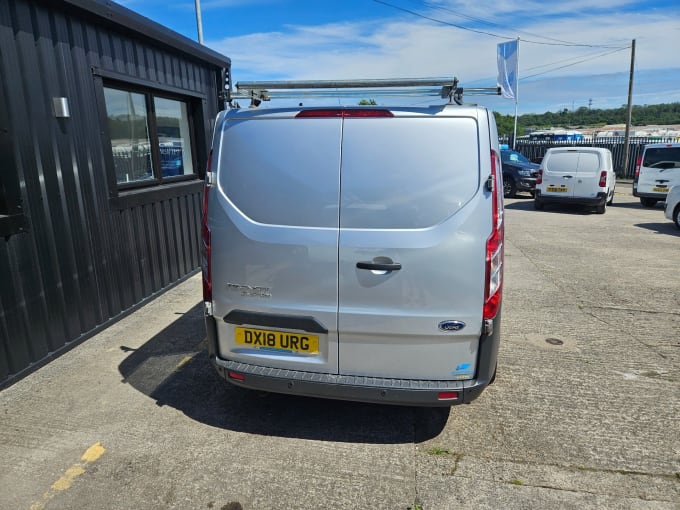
(583,414)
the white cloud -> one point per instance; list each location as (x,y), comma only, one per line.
(406,46)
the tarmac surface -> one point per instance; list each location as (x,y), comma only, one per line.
(584,412)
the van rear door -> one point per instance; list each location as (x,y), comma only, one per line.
(559,173)
(414,220)
(587,177)
(274,234)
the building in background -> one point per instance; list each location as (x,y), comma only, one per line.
(105,125)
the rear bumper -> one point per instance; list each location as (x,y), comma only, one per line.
(657,196)
(360,388)
(600,199)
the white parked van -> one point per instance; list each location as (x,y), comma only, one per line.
(576,175)
(657,170)
(355,252)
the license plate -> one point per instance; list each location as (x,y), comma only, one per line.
(660,189)
(277,340)
(558,190)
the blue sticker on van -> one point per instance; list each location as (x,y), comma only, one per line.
(464,369)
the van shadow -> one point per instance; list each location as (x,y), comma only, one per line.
(667,228)
(528,205)
(173,368)
(637,205)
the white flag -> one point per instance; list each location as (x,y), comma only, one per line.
(507,69)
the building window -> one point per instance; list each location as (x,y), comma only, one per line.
(150,135)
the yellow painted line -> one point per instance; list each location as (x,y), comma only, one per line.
(183,361)
(66,480)
(93,453)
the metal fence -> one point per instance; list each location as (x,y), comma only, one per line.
(536,149)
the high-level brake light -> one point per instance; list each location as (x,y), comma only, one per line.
(344,113)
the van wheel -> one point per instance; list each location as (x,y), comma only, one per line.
(648,202)
(601,209)
(538,205)
(676,216)
(509,188)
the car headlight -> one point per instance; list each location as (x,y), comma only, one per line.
(524,173)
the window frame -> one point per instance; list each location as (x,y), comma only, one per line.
(121,195)
(12,218)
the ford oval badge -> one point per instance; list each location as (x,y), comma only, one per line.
(451,325)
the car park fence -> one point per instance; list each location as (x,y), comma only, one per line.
(536,149)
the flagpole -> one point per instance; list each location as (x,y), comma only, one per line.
(514,134)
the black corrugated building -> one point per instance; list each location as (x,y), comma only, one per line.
(105,124)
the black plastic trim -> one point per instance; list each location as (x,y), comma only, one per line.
(302,323)
(378,266)
(599,200)
(659,196)
(211,334)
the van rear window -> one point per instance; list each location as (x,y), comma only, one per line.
(283,171)
(662,157)
(365,173)
(407,173)
(572,161)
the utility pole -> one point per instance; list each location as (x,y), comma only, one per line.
(199,21)
(626,141)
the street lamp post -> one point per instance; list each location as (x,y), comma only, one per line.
(199,22)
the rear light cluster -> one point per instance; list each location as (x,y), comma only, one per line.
(638,164)
(494,245)
(205,238)
(603,179)
(539,177)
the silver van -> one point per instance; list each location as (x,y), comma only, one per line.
(576,175)
(656,172)
(355,252)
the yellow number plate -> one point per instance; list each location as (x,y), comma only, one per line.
(556,189)
(660,189)
(277,340)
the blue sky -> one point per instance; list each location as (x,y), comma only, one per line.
(572,54)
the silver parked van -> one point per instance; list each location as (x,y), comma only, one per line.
(355,252)
(656,172)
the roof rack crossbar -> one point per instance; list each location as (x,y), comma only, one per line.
(258,91)
(345,84)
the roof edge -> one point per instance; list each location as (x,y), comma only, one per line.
(116,14)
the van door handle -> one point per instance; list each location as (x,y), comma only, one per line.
(379,266)
(568,176)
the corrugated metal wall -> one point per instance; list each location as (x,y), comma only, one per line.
(83,262)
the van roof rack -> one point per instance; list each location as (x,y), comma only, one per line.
(446,88)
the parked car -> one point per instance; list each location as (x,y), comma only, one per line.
(519,174)
(332,269)
(657,170)
(576,175)
(672,209)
